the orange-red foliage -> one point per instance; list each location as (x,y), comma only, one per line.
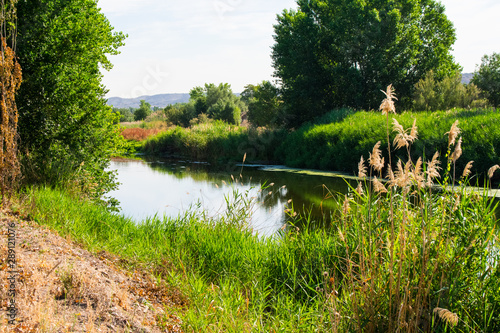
(10,80)
(138,134)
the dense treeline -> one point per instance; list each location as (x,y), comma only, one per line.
(67,132)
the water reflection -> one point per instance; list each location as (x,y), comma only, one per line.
(170,187)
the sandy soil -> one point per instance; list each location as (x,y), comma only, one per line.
(61,287)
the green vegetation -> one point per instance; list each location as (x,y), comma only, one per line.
(396,257)
(335,142)
(124,114)
(216,141)
(65,127)
(337,146)
(263,104)
(332,54)
(445,94)
(487,78)
(143,111)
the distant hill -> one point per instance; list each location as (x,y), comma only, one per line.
(466,77)
(156,100)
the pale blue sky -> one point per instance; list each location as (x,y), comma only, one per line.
(175,45)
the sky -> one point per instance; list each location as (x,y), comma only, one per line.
(174,45)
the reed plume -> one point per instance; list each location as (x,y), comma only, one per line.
(467,169)
(362,168)
(492,170)
(433,169)
(453,133)
(387,105)
(457,152)
(378,186)
(446,315)
(376,160)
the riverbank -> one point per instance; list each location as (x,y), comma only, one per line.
(303,279)
(61,286)
(335,142)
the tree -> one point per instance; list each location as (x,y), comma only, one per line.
(123,114)
(487,78)
(218,102)
(180,114)
(432,94)
(340,53)
(143,111)
(263,103)
(64,122)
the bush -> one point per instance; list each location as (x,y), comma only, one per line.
(432,94)
(180,114)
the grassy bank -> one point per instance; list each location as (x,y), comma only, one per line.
(416,262)
(338,146)
(216,142)
(335,142)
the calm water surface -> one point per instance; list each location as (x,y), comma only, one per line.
(170,187)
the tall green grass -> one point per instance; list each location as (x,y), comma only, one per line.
(338,145)
(442,253)
(216,142)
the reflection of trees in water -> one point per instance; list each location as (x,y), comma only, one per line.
(310,195)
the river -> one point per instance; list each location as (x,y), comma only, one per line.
(170,187)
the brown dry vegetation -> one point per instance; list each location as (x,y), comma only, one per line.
(139,134)
(61,287)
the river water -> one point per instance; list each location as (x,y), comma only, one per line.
(165,187)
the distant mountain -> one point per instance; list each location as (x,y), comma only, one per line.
(466,77)
(156,100)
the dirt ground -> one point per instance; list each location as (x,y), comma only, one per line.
(61,287)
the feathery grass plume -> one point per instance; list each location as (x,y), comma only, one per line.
(362,168)
(446,315)
(378,186)
(387,105)
(433,169)
(458,151)
(492,170)
(453,133)
(375,160)
(390,176)
(467,169)
(417,174)
(401,139)
(414,131)
(346,206)
(359,189)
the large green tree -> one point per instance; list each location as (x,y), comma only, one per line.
(487,78)
(263,103)
(337,53)
(218,102)
(64,122)
(143,111)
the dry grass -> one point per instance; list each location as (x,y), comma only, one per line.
(62,287)
(139,134)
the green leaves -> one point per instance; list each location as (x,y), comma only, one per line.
(336,53)
(487,78)
(63,117)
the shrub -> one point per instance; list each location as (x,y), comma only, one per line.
(432,94)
